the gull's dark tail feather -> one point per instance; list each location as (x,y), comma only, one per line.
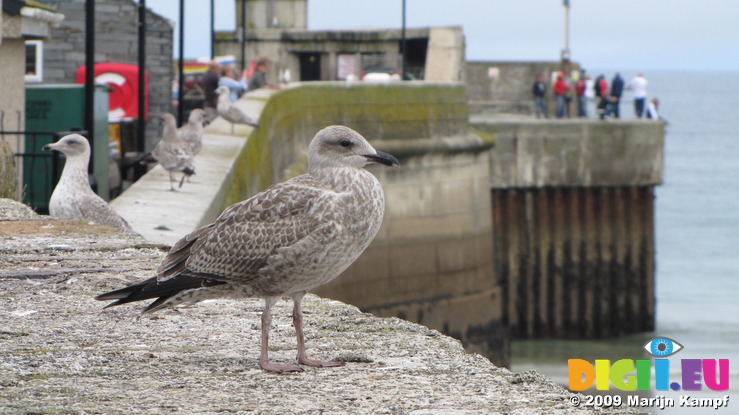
(152,288)
(187,172)
(146,158)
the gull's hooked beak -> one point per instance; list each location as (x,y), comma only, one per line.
(382,158)
(49,147)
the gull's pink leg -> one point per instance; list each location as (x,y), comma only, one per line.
(171,179)
(264,362)
(298,323)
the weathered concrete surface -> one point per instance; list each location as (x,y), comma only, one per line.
(537,153)
(62,354)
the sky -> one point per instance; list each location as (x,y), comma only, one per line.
(626,35)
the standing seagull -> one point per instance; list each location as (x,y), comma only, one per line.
(283,242)
(192,132)
(231,112)
(172,153)
(72,197)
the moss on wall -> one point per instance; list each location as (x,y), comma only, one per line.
(7,171)
(291,117)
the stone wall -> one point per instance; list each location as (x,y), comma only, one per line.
(116,41)
(575,153)
(276,150)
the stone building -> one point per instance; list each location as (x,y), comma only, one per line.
(116,41)
(277,29)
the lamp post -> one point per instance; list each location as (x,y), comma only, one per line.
(403,45)
(181,67)
(566,50)
(212,30)
(90,74)
(140,126)
(243,35)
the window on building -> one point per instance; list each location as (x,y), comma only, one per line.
(34,60)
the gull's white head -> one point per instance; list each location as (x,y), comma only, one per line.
(339,146)
(71,145)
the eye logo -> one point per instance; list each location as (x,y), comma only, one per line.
(662,347)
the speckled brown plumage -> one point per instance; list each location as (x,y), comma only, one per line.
(283,242)
(172,153)
(229,111)
(192,132)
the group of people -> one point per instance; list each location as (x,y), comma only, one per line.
(225,75)
(608,100)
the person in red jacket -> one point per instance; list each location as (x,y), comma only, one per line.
(560,90)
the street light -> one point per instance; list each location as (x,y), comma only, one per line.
(403,46)
(566,50)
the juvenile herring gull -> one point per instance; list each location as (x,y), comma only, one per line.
(283,242)
(192,132)
(172,153)
(231,112)
(72,197)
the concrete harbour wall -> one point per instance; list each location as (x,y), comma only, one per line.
(573,225)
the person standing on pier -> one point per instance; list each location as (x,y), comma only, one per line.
(540,97)
(210,83)
(601,93)
(236,86)
(638,87)
(560,90)
(259,77)
(617,89)
(580,88)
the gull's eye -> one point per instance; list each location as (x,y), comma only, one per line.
(345,143)
(662,347)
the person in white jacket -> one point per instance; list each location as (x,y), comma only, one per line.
(638,87)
